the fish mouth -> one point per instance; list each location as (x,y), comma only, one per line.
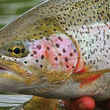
(16,69)
(4,70)
(15,75)
(11,67)
(1,68)
(9,77)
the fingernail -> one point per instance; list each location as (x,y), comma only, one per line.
(82,106)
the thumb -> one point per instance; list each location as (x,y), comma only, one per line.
(83,103)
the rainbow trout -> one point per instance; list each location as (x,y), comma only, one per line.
(59,49)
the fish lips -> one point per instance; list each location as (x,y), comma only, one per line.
(13,76)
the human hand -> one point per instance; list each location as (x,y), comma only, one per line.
(85,103)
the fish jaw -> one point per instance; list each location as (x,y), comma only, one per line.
(12,75)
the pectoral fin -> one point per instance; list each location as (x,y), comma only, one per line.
(39,103)
(89,77)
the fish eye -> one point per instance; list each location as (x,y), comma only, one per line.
(17,50)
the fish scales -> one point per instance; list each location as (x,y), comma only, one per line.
(68,14)
(62,47)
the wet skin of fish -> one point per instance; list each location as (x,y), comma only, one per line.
(59,49)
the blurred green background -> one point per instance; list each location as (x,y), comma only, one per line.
(9,10)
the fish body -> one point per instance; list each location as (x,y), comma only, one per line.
(58,49)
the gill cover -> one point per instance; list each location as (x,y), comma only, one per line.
(56,56)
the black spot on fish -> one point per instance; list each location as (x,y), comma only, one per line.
(37,61)
(25,62)
(64,50)
(56,58)
(59,54)
(2,43)
(67,66)
(57,45)
(70,35)
(41,66)
(45,18)
(66,59)
(72,66)
(9,50)
(71,54)
(34,34)
(32,55)
(39,47)
(42,56)
(54,29)
(48,48)
(34,52)
(60,38)
(47,38)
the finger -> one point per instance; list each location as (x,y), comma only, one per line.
(84,103)
(105,105)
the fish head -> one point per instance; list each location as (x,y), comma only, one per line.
(34,55)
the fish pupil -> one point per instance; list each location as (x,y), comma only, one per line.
(16,50)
